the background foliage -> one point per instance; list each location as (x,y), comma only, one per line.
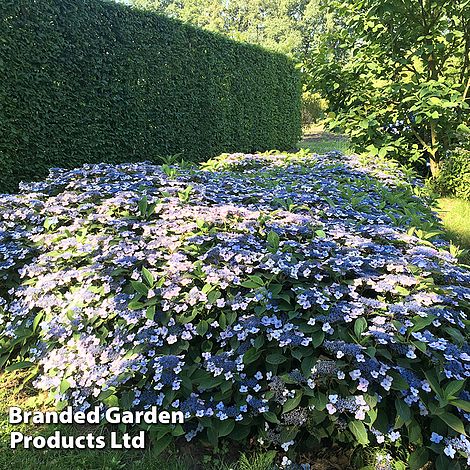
(93,81)
(313,108)
(291,27)
(396,74)
(454,177)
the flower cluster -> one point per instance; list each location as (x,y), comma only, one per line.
(355,405)
(268,288)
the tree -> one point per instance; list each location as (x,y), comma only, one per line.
(287,26)
(396,74)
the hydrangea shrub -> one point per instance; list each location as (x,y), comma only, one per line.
(282,297)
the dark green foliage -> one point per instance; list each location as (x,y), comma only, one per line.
(454,176)
(93,81)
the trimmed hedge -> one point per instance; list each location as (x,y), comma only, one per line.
(85,81)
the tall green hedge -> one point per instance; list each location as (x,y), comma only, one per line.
(95,81)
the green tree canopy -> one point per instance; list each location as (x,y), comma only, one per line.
(287,26)
(396,74)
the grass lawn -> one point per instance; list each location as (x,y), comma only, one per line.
(455,215)
(319,141)
(29,400)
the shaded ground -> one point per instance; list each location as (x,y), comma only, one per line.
(315,133)
(317,140)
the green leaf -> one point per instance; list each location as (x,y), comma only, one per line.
(364,124)
(125,402)
(225,427)
(399,383)
(383,152)
(444,463)
(106,394)
(456,335)
(463,128)
(414,432)
(403,410)
(434,100)
(317,338)
(222,321)
(453,388)
(402,291)
(37,319)
(418,458)
(178,431)
(275,359)
(359,431)
(64,386)
(297,353)
(259,341)
(111,401)
(453,422)
(307,364)
(23,333)
(271,417)
(135,305)
(422,322)
(148,277)
(213,296)
(292,403)
(433,380)
(319,401)
(151,312)
(241,433)
(251,355)
(140,287)
(161,444)
(273,241)
(360,326)
(212,436)
(462,404)
(257,280)
(142,204)
(202,327)
(19,365)
(249,284)
(420,345)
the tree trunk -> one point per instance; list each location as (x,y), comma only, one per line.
(434,164)
(434,158)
